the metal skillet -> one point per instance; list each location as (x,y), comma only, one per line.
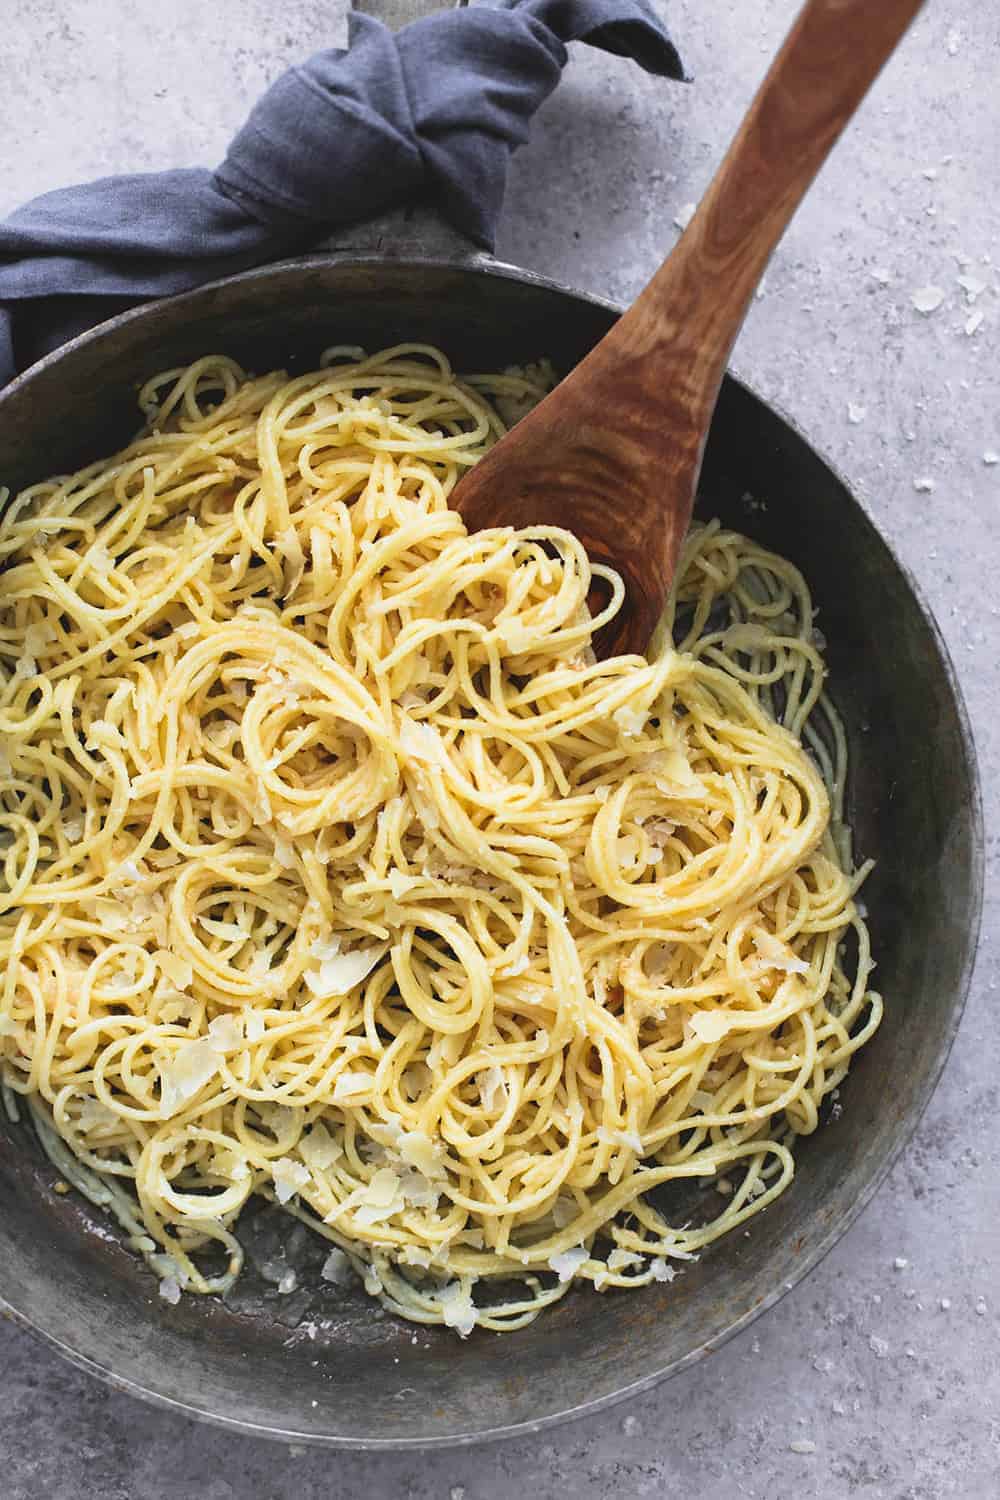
(365,1379)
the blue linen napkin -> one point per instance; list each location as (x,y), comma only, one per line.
(434,112)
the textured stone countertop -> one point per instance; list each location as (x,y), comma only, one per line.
(887,1358)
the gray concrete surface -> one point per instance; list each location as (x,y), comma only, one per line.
(892,1373)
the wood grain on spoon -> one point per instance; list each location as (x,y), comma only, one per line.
(613,453)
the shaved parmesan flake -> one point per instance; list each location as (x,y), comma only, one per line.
(337,1268)
(339,975)
(185,1074)
(417,1150)
(972,286)
(120,981)
(710,1025)
(177,970)
(380,1199)
(254,1025)
(325,947)
(672,772)
(661,1271)
(112,915)
(350,1087)
(417,1079)
(37,636)
(284,853)
(927,299)
(399,883)
(170,1290)
(659,831)
(774,954)
(260,965)
(622,1260)
(629,850)
(225,1033)
(631,719)
(515,636)
(417,1190)
(567,1262)
(564,1211)
(229,1165)
(289,1177)
(99,558)
(457,1308)
(280,1119)
(94,1114)
(421,742)
(319,1149)
(491,1085)
(288,545)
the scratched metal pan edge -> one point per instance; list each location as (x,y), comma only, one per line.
(914,805)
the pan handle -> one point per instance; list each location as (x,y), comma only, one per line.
(415,232)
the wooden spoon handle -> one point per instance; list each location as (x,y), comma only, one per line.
(826,66)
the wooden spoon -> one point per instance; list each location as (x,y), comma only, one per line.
(614,452)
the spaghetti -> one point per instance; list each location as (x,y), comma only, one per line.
(337,870)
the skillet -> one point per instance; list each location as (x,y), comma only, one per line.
(326,1364)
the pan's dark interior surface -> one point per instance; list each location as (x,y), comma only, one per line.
(355,1374)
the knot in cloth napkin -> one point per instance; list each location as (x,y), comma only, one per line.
(434,111)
